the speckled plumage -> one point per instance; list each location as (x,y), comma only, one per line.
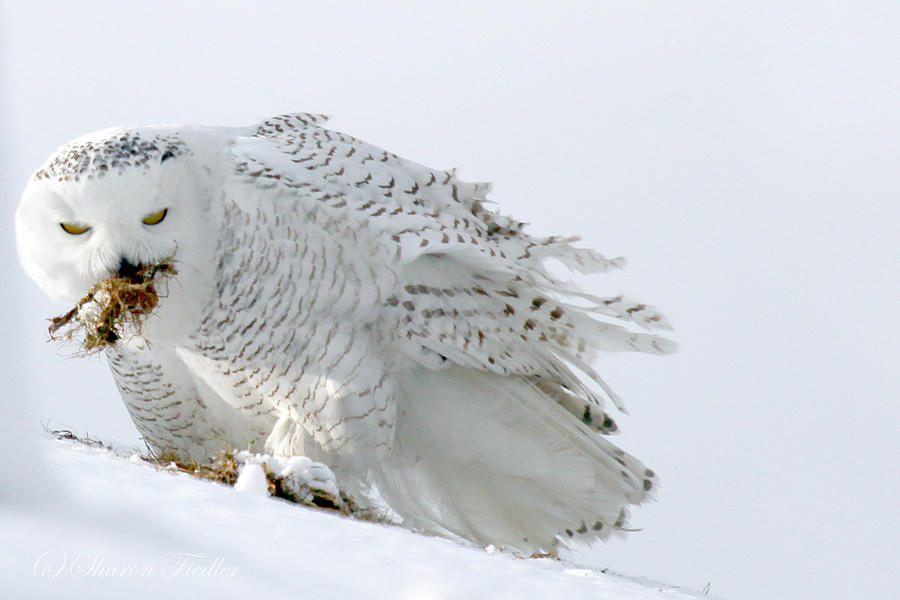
(337,301)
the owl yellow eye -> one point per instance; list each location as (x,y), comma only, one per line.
(156,218)
(73,229)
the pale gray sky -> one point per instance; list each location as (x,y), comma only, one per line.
(742,155)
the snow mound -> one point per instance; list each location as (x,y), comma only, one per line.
(252,480)
(300,477)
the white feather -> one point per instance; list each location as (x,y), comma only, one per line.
(492,459)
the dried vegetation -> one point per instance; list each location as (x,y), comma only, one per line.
(113,305)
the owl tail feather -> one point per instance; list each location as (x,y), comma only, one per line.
(494,460)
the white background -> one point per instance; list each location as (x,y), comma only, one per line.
(742,155)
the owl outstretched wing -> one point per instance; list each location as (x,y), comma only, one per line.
(377,258)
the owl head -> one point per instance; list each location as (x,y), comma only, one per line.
(112,200)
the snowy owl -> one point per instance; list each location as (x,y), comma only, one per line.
(335,301)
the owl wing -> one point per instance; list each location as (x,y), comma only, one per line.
(409,261)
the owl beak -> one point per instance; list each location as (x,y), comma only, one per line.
(127,269)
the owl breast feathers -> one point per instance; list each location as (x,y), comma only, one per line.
(336,301)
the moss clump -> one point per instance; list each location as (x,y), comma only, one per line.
(223,469)
(110,306)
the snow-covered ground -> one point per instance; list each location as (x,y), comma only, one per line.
(100,525)
(741,155)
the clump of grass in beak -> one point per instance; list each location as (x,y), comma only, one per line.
(112,305)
